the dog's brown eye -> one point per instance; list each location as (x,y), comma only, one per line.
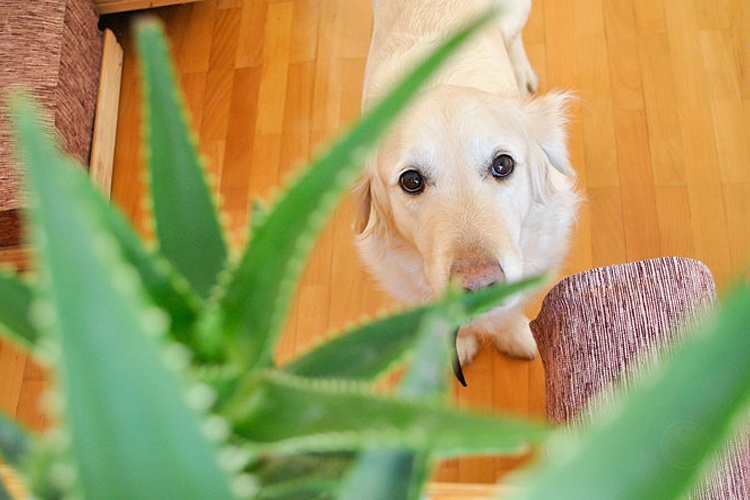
(502,166)
(412,182)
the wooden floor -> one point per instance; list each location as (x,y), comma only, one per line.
(660,136)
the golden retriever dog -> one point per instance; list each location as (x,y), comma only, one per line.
(473,185)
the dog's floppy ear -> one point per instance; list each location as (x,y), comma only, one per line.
(548,118)
(362,198)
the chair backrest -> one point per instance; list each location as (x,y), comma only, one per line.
(611,323)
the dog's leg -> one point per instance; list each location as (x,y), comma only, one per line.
(528,81)
(513,17)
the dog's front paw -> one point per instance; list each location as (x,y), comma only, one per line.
(467,346)
(528,80)
(515,339)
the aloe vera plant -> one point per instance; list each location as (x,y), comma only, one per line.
(162,358)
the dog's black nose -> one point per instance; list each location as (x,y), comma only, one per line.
(473,276)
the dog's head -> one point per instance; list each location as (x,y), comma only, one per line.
(449,191)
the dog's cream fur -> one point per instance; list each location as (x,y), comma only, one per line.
(466,226)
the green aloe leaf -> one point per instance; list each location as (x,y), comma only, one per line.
(381,473)
(367,351)
(4,494)
(133,435)
(657,443)
(15,441)
(314,415)
(426,376)
(15,308)
(384,474)
(298,477)
(252,310)
(187,225)
(165,287)
(168,290)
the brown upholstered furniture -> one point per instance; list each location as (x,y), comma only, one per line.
(54,49)
(594,325)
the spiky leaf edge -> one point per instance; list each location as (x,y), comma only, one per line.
(185,215)
(15,311)
(330,415)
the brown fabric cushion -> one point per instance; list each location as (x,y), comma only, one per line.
(593,326)
(52,48)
